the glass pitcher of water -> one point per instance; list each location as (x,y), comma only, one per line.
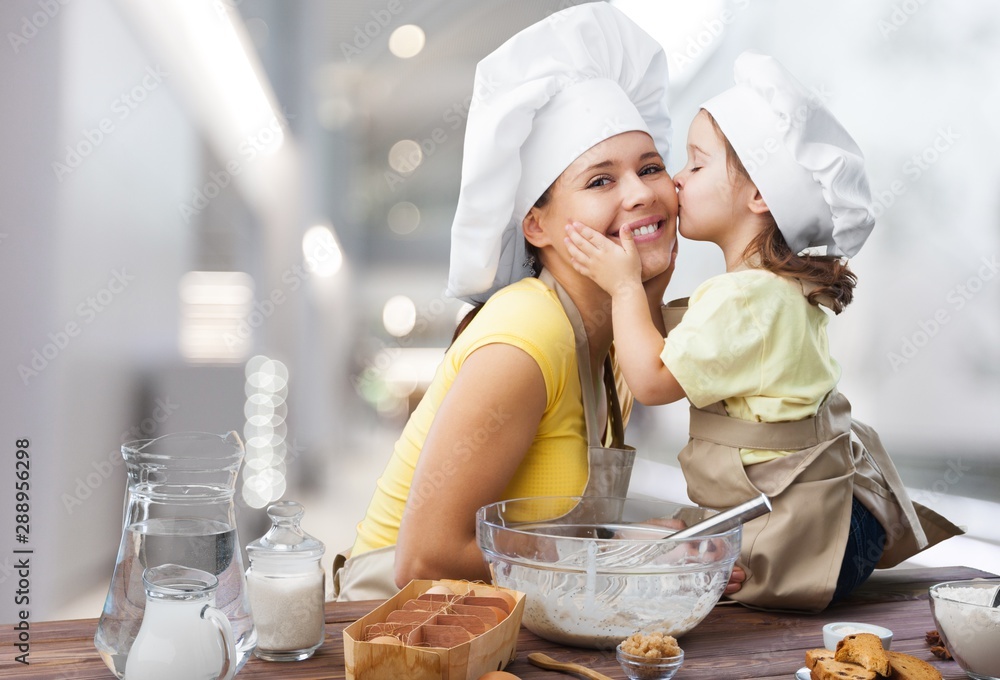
(178,510)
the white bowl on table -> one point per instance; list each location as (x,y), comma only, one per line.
(838,630)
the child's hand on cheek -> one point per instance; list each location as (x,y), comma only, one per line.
(614,268)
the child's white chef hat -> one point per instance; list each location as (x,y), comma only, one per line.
(804,163)
(541,99)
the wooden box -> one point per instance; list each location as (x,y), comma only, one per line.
(428,646)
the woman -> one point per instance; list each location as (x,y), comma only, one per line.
(570,122)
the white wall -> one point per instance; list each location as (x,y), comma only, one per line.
(90,251)
(920,346)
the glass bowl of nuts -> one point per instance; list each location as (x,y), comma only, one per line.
(652,656)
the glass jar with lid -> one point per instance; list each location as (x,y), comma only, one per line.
(286,585)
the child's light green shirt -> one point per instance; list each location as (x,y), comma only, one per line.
(752,340)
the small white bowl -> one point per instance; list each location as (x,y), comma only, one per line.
(835,632)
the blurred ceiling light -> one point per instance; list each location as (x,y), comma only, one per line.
(216,288)
(399,315)
(404,218)
(268,376)
(264,430)
(258,403)
(322,252)
(267,486)
(688,31)
(394,374)
(205,49)
(409,365)
(255,364)
(215,324)
(405,156)
(407,41)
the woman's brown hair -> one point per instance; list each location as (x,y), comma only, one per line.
(834,282)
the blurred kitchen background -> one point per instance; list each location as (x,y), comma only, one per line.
(234,215)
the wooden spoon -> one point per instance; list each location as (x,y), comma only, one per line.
(545,661)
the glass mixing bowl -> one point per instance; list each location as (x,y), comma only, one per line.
(969,625)
(596,570)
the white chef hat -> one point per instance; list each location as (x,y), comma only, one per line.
(541,99)
(806,166)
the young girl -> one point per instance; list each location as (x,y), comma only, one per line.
(770,173)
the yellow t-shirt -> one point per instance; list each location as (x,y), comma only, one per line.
(527,315)
(752,340)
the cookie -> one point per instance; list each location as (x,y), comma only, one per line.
(906,667)
(865,650)
(828,669)
(814,655)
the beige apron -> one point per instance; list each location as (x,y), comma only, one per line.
(609,469)
(793,555)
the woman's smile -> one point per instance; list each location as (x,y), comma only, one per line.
(643,230)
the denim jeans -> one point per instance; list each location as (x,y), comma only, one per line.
(864,549)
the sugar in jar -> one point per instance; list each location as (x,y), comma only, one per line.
(285,582)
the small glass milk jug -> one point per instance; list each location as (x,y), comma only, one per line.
(286,583)
(182,634)
(178,510)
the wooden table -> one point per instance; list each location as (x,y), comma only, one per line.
(731,643)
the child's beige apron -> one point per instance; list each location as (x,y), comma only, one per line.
(793,555)
(370,575)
